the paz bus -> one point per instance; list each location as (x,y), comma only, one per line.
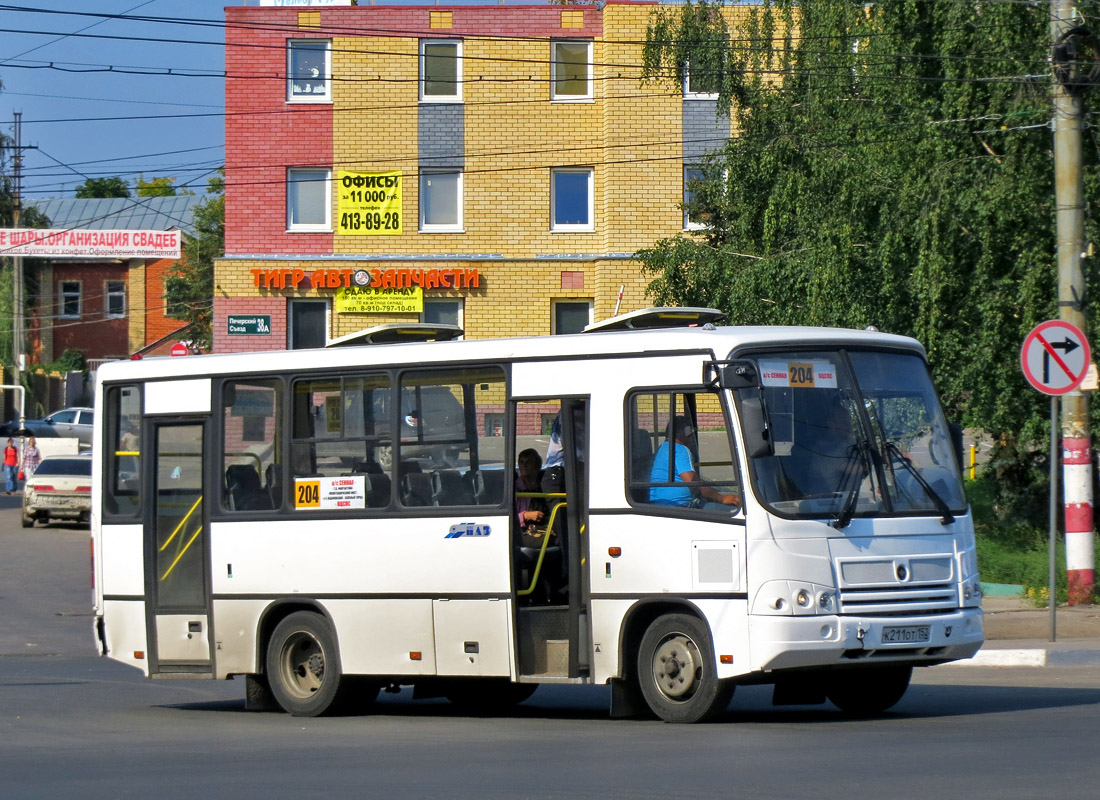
(727,505)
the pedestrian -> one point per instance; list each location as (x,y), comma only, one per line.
(11,464)
(32,457)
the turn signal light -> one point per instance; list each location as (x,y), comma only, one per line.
(139,654)
(414,655)
(614,552)
(726,659)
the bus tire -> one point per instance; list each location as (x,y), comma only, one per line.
(867,692)
(487,696)
(303,669)
(677,671)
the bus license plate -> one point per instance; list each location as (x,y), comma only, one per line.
(906,634)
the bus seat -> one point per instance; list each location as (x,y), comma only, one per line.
(488,486)
(416,489)
(641,465)
(272,477)
(450,489)
(245,492)
(379,494)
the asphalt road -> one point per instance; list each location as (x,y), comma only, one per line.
(75,725)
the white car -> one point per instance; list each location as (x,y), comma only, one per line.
(60,489)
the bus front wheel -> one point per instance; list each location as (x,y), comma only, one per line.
(302,667)
(677,670)
(867,692)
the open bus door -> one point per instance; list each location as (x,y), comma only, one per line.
(550,561)
(177,569)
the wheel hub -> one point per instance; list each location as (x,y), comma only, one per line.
(677,667)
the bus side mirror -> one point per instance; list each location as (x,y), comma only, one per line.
(738,375)
(754,425)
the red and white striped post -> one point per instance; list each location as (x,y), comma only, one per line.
(1077,480)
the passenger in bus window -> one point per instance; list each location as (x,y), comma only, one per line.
(530,511)
(682,440)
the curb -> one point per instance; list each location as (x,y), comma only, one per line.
(1031,657)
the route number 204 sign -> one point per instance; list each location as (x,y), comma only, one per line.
(368,203)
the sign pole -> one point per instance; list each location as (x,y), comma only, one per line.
(1053,511)
(1070,233)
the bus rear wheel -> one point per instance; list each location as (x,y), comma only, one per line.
(868,692)
(677,671)
(302,667)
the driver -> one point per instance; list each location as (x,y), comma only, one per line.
(683,441)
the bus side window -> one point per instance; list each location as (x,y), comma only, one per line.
(252,444)
(670,434)
(122,484)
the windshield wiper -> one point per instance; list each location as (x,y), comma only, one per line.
(858,456)
(941,505)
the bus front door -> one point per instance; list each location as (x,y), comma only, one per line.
(177,573)
(550,559)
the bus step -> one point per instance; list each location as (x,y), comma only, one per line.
(552,658)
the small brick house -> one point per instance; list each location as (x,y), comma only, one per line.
(106,308)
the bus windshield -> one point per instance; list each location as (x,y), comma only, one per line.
(854,434)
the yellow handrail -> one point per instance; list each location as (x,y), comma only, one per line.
(183,521)
(190,542)
(545,539)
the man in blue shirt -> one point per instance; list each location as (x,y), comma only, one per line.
(682,440)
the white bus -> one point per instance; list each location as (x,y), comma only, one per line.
(732,505)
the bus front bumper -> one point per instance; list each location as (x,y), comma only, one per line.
(829,641)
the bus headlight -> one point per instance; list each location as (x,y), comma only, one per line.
(825,601)
(803,598)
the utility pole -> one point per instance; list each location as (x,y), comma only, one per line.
(1069,201)
(17,345)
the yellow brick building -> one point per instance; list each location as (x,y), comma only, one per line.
(494,166)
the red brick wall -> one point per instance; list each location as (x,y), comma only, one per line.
(157,325)
(93,333)
(260,146)
(275,307)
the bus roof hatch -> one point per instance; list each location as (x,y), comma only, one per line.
(663,317)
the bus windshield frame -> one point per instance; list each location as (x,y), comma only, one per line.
(853,433)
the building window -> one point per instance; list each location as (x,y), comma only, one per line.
(699,86)
(572,68)
(442,311)
(308,204)
(308,69)
(70,299)
(116,298)
(570,316)
(308,324)
(693,221)
(571,200)
(440,200)
(440,71)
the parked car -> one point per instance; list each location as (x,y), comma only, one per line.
(60,489)
(75,422)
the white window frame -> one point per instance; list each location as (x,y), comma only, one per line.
(688,224)
(107,294)
(442,98)
(690,95)
(300,227)
(61,293)
(572,227)
(567,301)
(326,96)
(456,227)
(570,98)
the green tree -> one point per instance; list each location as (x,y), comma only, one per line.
(891,167)
(159,187)
(190,289)
(103,187)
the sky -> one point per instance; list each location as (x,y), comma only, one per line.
(87,120)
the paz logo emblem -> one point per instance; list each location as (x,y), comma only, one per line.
(947,631)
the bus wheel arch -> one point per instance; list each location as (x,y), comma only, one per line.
(301,661)
(676,668)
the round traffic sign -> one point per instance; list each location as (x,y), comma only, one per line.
(1055,357)
(179,349)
